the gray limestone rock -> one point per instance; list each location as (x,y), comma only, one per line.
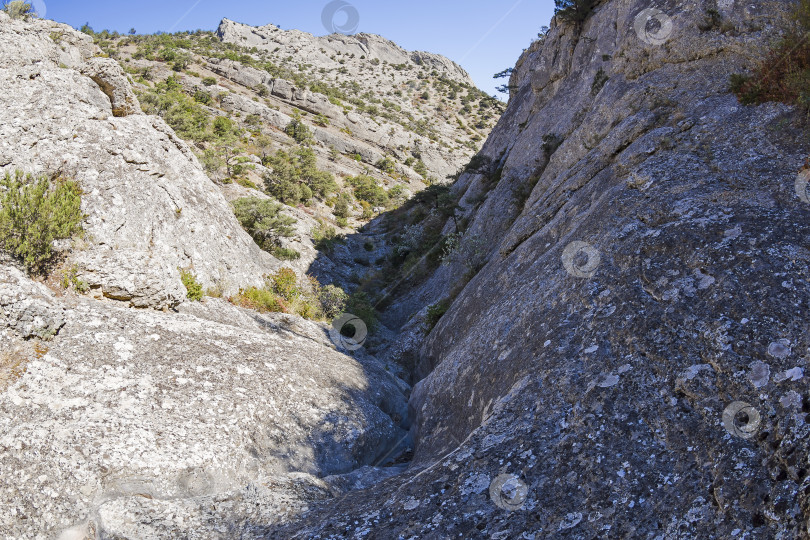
(204,423)
(645,248)
(150,208)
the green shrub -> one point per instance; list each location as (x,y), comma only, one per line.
(298,130)
(435,312)
(285,254)
(575,11)
(386,165)
(285,294)
(599,81)
(34,212)
(360,306)
(421,169)
(306,194)
(367,189)
(784,73)
(342,209)
(551,143)
(224,127)
(17,9)
(181,112)
(70,279)
(322,120)
(333,301)
(294,171)
(325,238)
(202,97)
(285,284)
(264,222)
(194,290)
(209,81)
(367,210)
(261,300)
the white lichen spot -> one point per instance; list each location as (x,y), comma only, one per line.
(731,234)
(124,349)
(608,381)
(692,371)
(704,280)
(760,374)
(244,370)
(793,374)
(411,504)
(780,348)
(791,400)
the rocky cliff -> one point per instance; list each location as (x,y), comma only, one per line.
(614,344)
(367,107)
(199,420)
(151,210)
(628,358)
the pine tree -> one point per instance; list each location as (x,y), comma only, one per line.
(574,11)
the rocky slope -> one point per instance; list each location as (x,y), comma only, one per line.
(200,420)
(621,351)
(151,209)
(628,358)
(406,119)
(140,424)
(377,69)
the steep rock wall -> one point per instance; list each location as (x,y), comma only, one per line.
(645,274)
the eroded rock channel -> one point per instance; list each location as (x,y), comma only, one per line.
(609,339)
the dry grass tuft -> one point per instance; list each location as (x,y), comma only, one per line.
(12,366)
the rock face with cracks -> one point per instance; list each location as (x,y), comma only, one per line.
(202,421)
(627,359)
(205,423)
(151,210)
(630,358)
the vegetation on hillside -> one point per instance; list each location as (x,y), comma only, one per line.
(283,292)
(18,9)
(575,11)
(190,103)
(784,73)
(35,212)
(295,178)
(266,224)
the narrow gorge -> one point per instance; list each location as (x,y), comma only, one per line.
(587,309)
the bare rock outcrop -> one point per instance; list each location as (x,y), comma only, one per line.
(109,76)
(151,210)
(26,307)
(631,359)
(203,424)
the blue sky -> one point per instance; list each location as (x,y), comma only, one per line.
(484,37)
